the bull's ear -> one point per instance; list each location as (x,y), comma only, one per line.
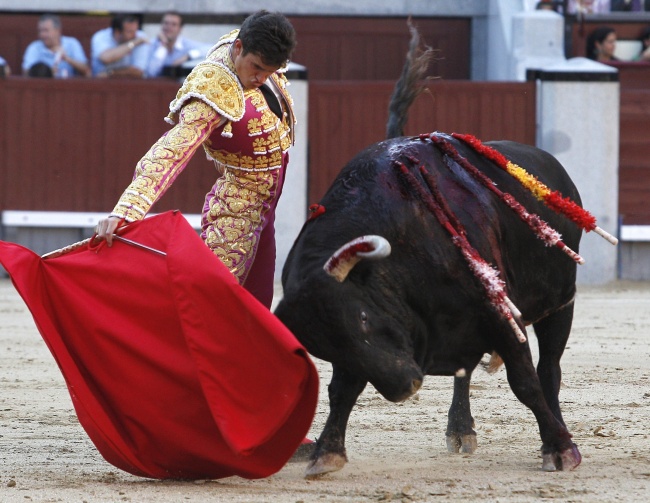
(345,258)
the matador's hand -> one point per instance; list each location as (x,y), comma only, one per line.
(106,228)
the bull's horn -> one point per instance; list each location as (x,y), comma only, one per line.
(345,258)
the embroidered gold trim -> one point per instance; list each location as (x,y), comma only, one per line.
(236,212)
(216,85)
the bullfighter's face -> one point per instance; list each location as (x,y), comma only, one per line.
(250,68)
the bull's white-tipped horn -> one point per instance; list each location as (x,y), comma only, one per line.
(345,258)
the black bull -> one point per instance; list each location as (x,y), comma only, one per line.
(419,310)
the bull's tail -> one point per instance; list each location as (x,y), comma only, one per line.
(409,86)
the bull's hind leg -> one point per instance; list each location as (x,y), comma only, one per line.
(552,335)
(558,451)
(461,436)
(330,456)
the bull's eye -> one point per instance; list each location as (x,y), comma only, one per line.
(363,325)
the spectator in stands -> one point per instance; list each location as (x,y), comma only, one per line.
(588,6)
(601,44)
(170,48)
(121,50)
(63,55)
(40,70)
(645,48)
(628,5)
(5,71)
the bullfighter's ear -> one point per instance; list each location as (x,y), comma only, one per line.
(345,258)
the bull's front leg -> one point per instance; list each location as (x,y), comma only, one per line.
(330,455)
(461,436)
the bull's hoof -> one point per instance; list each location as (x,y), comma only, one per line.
(465,444)
(326,463)
(565,460)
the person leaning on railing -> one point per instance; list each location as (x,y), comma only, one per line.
(601,44)
(170,49)
(62,55)
(120,51)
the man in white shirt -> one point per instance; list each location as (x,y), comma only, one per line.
(171,49)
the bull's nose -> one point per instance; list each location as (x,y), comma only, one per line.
(416,384)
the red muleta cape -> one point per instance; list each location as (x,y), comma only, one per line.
(174,369)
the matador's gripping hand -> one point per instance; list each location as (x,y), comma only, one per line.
(106,228)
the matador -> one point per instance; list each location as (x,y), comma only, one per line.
(246,128)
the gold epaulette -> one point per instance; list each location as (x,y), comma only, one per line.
(216,85)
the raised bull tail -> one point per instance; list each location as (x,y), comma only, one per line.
(409,86)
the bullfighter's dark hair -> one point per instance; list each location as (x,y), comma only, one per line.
(268,35)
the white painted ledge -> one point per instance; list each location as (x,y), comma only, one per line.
(65,219)
(635,233)
(80,219)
